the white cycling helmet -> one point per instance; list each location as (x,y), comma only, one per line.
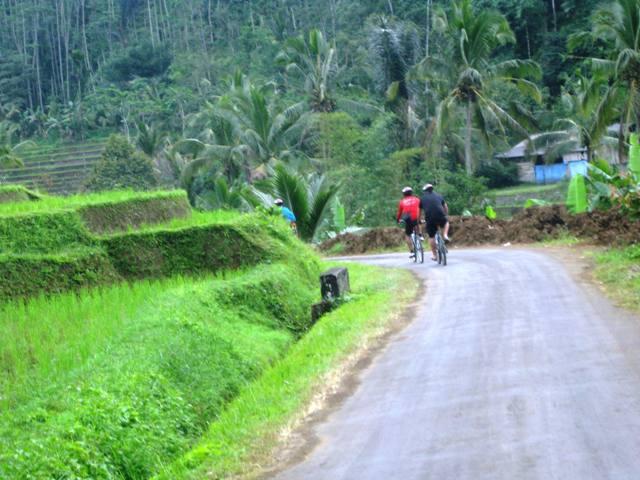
(407,190)
(427,186)
(279,201)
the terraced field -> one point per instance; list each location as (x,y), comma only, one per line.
(60,170)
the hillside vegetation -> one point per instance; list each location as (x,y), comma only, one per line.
(53,244)
(129,324)
(367,96)
(117,378)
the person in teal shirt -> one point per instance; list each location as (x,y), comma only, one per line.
(288,215)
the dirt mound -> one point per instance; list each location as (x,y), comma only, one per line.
(605,228)
(374,239)
(476,230)
(531,225)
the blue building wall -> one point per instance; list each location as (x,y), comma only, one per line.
(556,172)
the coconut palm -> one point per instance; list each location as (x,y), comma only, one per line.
(314,61)
(310,198)
(217,147)
(394,48)
(242,134)
(9,156)
(222,196)
(474,37)
(619,23)
(150,139)
(266,132)
(590,106)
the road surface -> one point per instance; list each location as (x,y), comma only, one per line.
(512,369)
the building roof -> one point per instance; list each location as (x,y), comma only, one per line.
(521,149)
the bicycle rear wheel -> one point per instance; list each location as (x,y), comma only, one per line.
(419,250)
(442,250)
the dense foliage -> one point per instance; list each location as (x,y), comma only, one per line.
(338,88)
(121,166)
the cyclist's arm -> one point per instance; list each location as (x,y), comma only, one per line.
(446,208)
(399,214)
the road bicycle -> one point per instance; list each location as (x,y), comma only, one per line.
(418,248)
(416,240)
(441,248)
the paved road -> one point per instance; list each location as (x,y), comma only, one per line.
(511,370)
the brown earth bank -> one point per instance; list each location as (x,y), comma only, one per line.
(531,225)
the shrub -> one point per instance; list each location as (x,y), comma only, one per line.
(461,191)
(42,232)
(141,61)
(499,174)
(16,193)
(25,275)
(121,166)
(121,215)
(190,250)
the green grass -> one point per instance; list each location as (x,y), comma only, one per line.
(115,383)
(247,431)
(619,271)
(522,189)
(565,239)
(74,202)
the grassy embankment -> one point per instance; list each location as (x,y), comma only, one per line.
(619,271)
(246,433)
(122,381)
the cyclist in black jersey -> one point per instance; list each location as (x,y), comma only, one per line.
(435,213)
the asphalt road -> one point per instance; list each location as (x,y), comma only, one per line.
(512,369)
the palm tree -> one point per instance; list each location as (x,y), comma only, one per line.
(314,61)
(474,37)
(266,132)
(222,196)
(394,49)
(150,139)
(242,133)
(9,156)
(310,198)
(217,146)
(591,107)
(618,22)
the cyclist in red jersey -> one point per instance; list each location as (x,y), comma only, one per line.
(409,213)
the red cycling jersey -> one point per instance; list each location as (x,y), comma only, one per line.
(409,205)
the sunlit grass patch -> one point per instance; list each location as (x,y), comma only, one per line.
(247,431)
(619,270)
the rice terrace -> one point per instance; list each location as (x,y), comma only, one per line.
(341,240)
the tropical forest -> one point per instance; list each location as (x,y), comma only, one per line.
(155,306)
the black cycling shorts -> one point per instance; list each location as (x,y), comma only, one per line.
(433,224)
(409,225)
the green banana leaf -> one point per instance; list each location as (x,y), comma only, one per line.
(577,201)
(535,202)
(634,154)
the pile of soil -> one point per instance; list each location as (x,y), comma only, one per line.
(370,240)
(531,225)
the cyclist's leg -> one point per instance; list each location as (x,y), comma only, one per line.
(431,228)
(445,228)
(408,230)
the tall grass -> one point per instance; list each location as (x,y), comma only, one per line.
(51,203)
(113,383)
(48,336)
(619,270)
(246,432)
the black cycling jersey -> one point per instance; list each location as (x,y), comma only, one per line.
(433,205)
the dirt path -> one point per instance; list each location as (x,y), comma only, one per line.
(511,370)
